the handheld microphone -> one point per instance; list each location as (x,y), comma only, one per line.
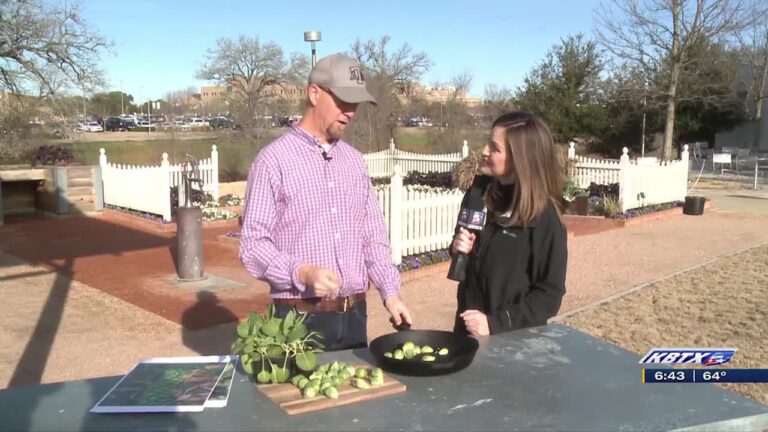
(325,156)
(471,217)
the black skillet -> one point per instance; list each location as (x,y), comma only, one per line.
(461,352)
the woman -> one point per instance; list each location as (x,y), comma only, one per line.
(516,272)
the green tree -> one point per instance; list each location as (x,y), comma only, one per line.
(111,103)
(565,89)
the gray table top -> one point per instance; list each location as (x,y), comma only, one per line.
(542,378)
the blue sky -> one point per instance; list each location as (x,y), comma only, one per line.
(160,45)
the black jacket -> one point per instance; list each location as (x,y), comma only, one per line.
(516,275)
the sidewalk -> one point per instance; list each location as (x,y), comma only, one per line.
(88,332)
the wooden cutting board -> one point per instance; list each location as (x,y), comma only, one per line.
(288,397)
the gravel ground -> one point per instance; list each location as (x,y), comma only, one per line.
(717,305)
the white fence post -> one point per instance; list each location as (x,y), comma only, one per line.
(165,187)
(571,150)
(215,172)
(102,158)
(391,144)
(464,150)
(684,172)
(396,215)
(624,177)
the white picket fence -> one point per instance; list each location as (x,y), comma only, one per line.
(642,182)
(147,188)
(418,220)
(382,163)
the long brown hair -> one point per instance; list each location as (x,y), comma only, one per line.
(538,175)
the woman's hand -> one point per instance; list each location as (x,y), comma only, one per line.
(476,322)
(463,241)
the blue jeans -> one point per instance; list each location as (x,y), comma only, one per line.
(341,330)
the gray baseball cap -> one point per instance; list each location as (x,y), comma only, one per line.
(343,76)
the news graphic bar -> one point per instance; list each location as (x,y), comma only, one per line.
(705,375)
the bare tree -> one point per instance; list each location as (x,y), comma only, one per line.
(388,72)
(454,114)
(45,47)
(497,101)
(248,67)
(754,50)
(660,35)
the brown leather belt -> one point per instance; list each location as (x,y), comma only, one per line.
(317,304)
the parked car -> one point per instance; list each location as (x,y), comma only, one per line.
(220,122)
(119,124)
(196,122)
(93,126)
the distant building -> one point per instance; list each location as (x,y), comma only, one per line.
(436,94)
(290,92)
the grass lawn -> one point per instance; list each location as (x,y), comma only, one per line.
(235,151)
(235,154)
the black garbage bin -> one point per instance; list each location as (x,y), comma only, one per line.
(694,205)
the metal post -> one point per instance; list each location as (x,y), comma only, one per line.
(149,115)
(122,107)
(189,233)
(312,37)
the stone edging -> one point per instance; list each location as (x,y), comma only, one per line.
(442,267)
(637,220)
(166,227)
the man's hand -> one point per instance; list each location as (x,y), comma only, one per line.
(322,282)
(397,309)
(476,322)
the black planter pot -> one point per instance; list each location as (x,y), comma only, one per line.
(694,205)
(581,205)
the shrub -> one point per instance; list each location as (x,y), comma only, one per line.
(51,155)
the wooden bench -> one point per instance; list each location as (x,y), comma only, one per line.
(21,175)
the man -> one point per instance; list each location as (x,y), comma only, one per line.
(312,226)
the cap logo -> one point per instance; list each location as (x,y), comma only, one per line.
(356,74)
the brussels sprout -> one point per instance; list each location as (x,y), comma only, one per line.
(377,381)
(302,383)
(428,358)
(324,386)
(336,381)
(377,372)
(361,373)
(408,354)
(360,383)
(331,393)
(409,346)
(399,355)
(388,354)
(350,370)
(309,392)
(295,380)
(443,351)
(323,368)
(416,350)
(426,349)
(263,377)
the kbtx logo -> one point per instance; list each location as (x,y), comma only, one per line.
(702,356)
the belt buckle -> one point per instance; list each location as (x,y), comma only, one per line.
(346,304)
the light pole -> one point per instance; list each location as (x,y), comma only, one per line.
(313,36)
(122,107)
